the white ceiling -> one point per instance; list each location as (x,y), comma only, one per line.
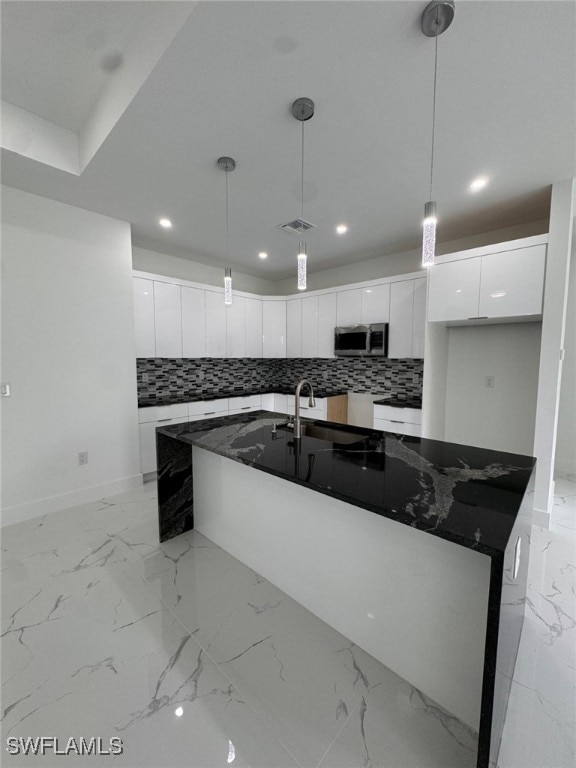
(506,109)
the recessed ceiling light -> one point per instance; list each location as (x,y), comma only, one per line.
(478,184)
(341,229)
(166,223)
(178,711)
(262,255)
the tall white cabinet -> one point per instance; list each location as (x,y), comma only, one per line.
(168,319)
(144,323)
(193,322)
(274,328)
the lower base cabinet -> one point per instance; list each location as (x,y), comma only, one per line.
(401,421)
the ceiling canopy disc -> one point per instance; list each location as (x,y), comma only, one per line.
(303,109)
(437,17)
(226,163)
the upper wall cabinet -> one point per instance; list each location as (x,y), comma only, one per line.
(326,324)
(496,285)
(236,327)
(274,328)
(294,328)
(310,316)
(349,307)
(193,322)
(253,328)
(215,324)
(168,319)
(376,304)
(407,318)
(512,284)
(144,317)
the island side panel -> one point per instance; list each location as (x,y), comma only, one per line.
(175,486)
(415,602)
(512,576)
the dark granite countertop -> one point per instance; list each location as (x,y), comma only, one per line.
(151,400)
(468,495)
(400,402)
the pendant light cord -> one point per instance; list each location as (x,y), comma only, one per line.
(433,113)
(302,185)
(227,249)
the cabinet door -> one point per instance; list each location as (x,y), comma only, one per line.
(512,282)
(400,329)
(376,304)
(419,317)
(326,324)
(454,290)
(310,326)
(253,328)
(215,324)
(349,307)
(193,322)
(294,328)
(168,319)
(144,317)
(236,327)
(274,328)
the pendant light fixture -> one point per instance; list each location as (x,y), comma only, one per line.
(227,164)
(436,18)
(302,110)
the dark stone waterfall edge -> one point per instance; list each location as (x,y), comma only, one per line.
(175,487)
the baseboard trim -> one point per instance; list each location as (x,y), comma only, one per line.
(40,507)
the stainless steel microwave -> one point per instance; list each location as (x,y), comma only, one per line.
(361,341)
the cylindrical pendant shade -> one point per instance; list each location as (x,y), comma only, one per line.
(228,286)
(429,234)
(302,258)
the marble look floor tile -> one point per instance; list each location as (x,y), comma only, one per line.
(115,662)
(540,726)
(395,726)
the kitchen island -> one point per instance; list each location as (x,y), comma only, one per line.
(415,549)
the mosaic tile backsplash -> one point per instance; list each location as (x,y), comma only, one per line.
(162,381)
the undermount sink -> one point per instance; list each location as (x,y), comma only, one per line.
(330,434)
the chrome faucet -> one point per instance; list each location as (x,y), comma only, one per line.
(311,403)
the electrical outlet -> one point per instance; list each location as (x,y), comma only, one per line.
(489,382)
(83,458)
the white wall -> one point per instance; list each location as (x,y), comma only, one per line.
(68,352)
(172,266)
(501,417)
(566,435)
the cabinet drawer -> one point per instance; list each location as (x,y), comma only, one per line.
(245,403)
(162,412)
(403,415)
(320,406)
(203,408)
(400,428)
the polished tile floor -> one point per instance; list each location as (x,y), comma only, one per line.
(192,659)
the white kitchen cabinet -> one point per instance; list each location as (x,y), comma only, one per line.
(496,285)
(401,321)
(403,421)
(310,318)
(236,327)
(294,328)
(318,412)
(281,403)
(168,319)
(349,307)
(267,402)
(244,404)
(144,317)
(274,328)
(193,322)
(326,324)
(376,304)
(253,328)
(512,283)
(203,409)
(215,324)
(419,317)
(454,290)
